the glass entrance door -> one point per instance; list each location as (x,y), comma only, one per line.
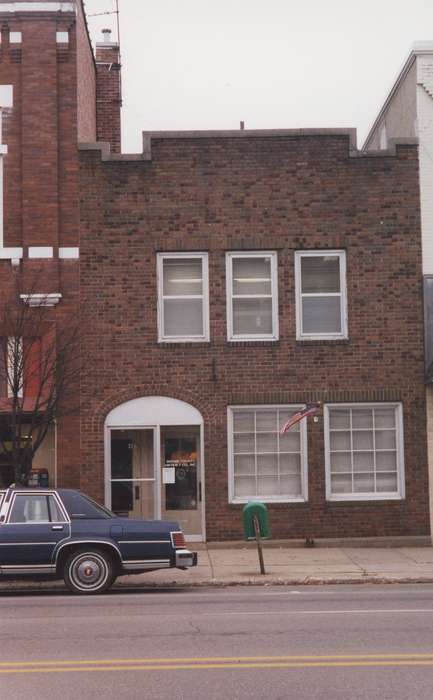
(133,491)
(180,478)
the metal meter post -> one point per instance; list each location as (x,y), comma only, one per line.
(256,526)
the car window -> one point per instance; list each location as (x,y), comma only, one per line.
(55,512)
(80,506)
(29,509)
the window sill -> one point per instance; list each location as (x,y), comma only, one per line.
(183,341)
(323,341)
(270,501)
(365,498)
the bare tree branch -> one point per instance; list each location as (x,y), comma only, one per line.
(39,375)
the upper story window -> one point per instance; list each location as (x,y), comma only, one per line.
(252,296)
(364,453)
(183,297)
(321,300)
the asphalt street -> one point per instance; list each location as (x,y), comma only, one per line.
(329,642)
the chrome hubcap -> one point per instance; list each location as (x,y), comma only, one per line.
(89,571)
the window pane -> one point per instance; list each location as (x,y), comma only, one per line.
(252,316)
(29,509)
(267,421)
(320,273)
(56,514)
(243,421)
(290,464)
(183,317)
(252,276)
(321,315)
(339,419)
(291,486)
(385,439)
(363,461)
(386,482)
(290,442)
(267,442)
(245,487)
(341,462)
(283,417)
(362,418)
(182,276)
(340,441)
(386,461)
(244,464)
(362,440)
(363,483)
(267,486)
(341,483)
(384,417)
(267,464)
(244,443)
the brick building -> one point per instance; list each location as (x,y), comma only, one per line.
(223,280)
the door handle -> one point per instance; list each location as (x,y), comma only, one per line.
(57,527)
(137,492)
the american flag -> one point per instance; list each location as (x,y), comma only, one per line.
(310,410)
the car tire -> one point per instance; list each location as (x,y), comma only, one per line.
(88,571)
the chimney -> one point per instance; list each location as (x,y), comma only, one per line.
(108,91)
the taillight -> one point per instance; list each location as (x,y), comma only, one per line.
(178,540)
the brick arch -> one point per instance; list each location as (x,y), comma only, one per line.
(196,400)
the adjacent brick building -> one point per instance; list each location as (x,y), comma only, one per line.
(223,280)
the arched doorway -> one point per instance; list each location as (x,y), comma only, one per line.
(154,462)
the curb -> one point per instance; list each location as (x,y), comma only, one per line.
(56,586)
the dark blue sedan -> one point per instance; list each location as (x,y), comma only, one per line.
(65,534)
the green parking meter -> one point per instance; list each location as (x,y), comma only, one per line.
(256,526)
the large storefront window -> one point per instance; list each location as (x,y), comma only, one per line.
(364,451)
(262,463)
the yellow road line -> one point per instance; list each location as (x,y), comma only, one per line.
(215,659)
(214,666)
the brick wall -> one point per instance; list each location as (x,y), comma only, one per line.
(108,97)
(42,168)
(278,193)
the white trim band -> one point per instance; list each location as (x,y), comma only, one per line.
(37,7)
(41,299)
(11,253)
(69,253)
(40,252)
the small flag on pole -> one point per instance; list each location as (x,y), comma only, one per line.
(311,409)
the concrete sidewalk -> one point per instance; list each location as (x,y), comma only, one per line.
(224,565)
(297,566)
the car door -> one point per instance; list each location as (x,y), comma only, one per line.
(35,523)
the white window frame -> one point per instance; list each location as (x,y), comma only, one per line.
(303,498)
(272,254)
(364,496)
(300,335)
(162,338)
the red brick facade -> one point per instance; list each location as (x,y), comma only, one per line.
(212,193)
(249,192)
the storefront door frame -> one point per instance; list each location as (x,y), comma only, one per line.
(158,407)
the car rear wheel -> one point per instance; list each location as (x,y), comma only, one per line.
(88,571)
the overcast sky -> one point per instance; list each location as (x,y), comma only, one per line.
(208,64)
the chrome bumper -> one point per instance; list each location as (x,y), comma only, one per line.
(185,558)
